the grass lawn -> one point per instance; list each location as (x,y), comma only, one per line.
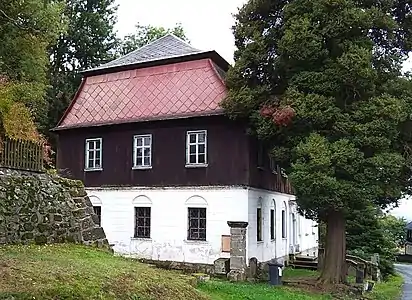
(223,290)
(78,272)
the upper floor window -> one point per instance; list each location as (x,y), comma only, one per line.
(196,153)
(142,154)
(94,154)
(260,154)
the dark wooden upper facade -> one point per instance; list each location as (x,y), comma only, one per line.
(232,155)
(131,123)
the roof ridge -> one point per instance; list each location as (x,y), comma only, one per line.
(172,46)
(181,40)
(134,51)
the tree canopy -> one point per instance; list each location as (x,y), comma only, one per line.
(321,82)
(26,29)
(89,41)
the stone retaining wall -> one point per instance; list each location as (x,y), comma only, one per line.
(41,208)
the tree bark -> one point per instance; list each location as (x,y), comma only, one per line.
(334,266)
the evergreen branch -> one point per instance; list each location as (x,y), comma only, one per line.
(16,23)
(10,19)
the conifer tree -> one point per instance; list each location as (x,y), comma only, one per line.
(321,82)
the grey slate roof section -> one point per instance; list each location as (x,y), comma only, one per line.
(168,46)
(409,226)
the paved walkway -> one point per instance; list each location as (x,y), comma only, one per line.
(406,272)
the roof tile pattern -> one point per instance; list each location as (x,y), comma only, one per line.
(165,47)
(161,92)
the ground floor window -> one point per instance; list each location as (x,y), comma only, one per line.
(259,224)
(98,211)
(283,223)
(272,224)
(197,224)
(142,222)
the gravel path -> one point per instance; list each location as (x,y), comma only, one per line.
(406,272)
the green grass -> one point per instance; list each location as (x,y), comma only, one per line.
(78,272)
(387,290)
(223,290)
(290,273)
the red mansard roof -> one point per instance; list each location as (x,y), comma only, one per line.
(142,93)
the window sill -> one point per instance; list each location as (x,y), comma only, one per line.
(196,242)
(273,241)
(259,242)
(93,170)
(196,165)
(261,168)
(141,239)
(142,168)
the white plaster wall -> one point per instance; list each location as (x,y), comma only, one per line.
(267,249)
(169,222)
(308,239)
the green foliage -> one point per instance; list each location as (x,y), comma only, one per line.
(394,229)
(89,41)
(337,64)
(321,82)
(390,289)
(26,28)
(369,231)
(145,34)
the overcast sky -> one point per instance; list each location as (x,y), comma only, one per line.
(207,24)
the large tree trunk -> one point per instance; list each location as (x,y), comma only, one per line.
(334,266)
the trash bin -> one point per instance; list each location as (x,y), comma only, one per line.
(275,273)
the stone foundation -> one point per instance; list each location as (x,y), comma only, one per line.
(37,208)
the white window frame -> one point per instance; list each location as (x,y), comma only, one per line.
(188,144)
(87,155)
(143,146)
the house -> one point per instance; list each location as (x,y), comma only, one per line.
(166,170)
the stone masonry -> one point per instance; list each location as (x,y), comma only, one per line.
(237,251)
(42,209)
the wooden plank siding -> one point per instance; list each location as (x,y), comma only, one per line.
(230,155)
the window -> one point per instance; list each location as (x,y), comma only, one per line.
(142,222)
(142,152)
(196,153)
(94,154)
(197,224)
(259,224)
(260,154)
(283,223)
(273,166)
(98,211)
(272,224)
